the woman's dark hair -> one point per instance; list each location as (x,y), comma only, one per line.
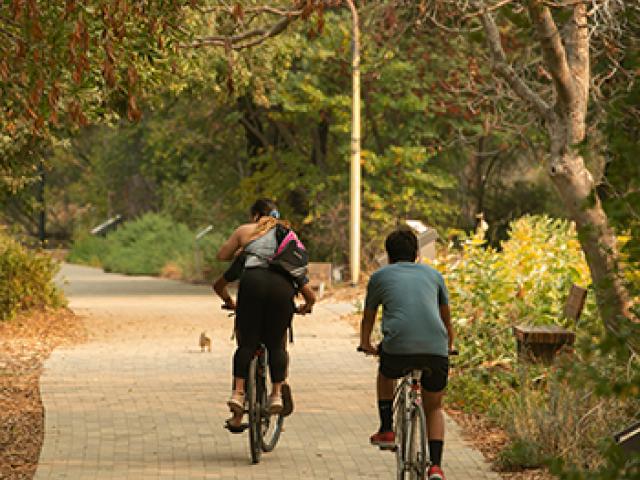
(263,207)
(402,246)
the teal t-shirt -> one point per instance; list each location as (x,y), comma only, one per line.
(410,295)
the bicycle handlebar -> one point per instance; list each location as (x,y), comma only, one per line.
(451,352)
(224,306)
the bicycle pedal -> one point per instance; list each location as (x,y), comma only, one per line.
(388,448)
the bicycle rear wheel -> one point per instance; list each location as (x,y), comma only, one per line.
(271,425)
(400,423)
(271,429)
(255,409)
(417,455)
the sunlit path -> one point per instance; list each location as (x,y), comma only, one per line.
(140,400)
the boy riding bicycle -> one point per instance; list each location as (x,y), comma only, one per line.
(417,332)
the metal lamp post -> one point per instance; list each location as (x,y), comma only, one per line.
(354,229)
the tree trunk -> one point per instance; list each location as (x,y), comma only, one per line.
(577,190)
(566,57)
(474,185)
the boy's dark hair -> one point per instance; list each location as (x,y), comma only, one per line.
(263,207)
(402,246)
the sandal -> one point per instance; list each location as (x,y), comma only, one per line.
(275,405)
(235,428)
(236,403)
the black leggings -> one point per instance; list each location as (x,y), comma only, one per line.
(264,312)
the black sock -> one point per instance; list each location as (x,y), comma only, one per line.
(386,415)
(435,451)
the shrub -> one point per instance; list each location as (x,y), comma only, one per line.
(89,250)
(145,245)
(565,413)
(26,279)
(492,290)
(153,245)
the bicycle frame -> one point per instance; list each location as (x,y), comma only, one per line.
(410,429)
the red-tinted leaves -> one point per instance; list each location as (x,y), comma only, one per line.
(17,8)
(132,75)
(237,12)
(108,72)
(133,112)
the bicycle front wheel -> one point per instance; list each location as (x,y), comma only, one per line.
(417,455)
(255,416)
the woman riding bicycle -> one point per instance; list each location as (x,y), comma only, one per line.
(265,304)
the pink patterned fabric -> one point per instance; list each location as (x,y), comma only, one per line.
(291,237)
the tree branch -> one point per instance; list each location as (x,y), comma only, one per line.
(506,71)
(577,47)
(235,42)
(554,53)
(252,128)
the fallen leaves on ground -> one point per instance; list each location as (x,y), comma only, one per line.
(25,343)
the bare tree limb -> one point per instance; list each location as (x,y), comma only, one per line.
(488,9)
(554,52)
(255,131)
(501,66)
(577,47)
(240,41)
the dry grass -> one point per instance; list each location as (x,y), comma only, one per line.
(567,421)
(491,440)
(25,343)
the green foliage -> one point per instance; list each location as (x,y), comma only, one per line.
(402,184)
(89,250)
(26,279)
(153,244)
(568,410)
(520,454)
(144,246)
(491,290)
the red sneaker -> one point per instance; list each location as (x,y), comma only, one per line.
(384,440)
(435,473)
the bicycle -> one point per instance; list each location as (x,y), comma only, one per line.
(410,429)
(264,430)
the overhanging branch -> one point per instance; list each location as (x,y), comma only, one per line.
(245,39)
(501,66)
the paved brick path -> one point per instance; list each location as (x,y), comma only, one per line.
(140,400)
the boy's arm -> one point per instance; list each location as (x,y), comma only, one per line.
(445,311)
(366,327)
(445,315)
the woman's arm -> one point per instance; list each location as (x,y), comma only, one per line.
(231,246)
(220,287)
(309,299)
